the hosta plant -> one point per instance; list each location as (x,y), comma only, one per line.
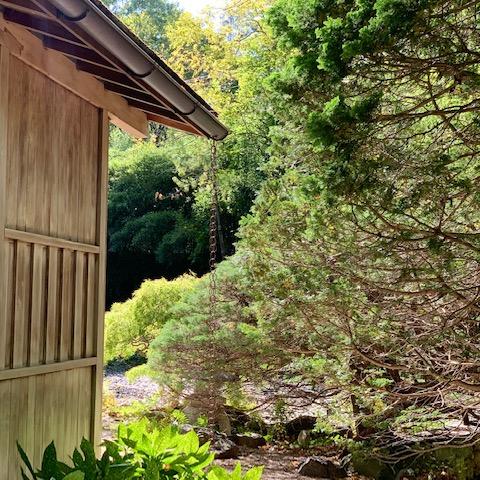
(112,465)
(166,452)
(140,451)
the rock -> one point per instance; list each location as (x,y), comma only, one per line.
(371,467)
(203,403)
(225,448)
(207,435)
(346,432)
(295,426)
(241,421)
(185,428)
(238,418)
(304,438)
(252,440)
(222,446)
(223,423)
(257,425)
(321,468)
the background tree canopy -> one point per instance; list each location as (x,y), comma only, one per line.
(148,19)
(159,199)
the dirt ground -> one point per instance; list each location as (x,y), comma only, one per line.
(277,465)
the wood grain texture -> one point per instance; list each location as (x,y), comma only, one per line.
(101,271)
(14,373)
(51,241)
(53,204)
(63,71)
(56,143)
(36,410)
(4,81)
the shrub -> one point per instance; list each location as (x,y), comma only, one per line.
(131,326)
(142,452)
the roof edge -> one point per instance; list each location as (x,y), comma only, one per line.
(113,35)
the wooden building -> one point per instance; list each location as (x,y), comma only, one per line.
(67,69)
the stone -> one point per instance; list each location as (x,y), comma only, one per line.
(295,426)
(241,421)
(316,467)
(304,438)
(203,403)
(185,428)
(252,440)
(206,435)
(238,418)
(371,467)
(223,448)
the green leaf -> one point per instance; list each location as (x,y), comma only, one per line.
(77,475)
(24,476)
(254,473)
(25,460)
(50,467)
(190,442)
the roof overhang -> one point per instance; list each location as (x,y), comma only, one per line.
(98,44)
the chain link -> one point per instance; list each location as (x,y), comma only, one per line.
(213,231)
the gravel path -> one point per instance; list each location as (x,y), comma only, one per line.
(125,392)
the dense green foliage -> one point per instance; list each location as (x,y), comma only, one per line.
(355,130)
(148,19)
(159,197)
(131,326)
(141,451)
(154,227)
(385,214)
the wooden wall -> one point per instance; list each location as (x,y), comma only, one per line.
(53,178)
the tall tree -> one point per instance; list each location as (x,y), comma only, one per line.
(148,19)
(370,242)
(362,249)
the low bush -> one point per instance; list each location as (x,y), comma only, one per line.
(130,327)
(141,451)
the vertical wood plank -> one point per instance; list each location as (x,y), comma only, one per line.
(38,327)
(22,306)
(40,407)
(90,330)
(85,411)
(91,173)
(70,411)
(17,109)
(56,168)
(5,424)
(18,424)
(24,150)
(9,305)
(4,90)
(102,242)
(53,301)
(60,402)
(79,314)
(51,415)
(66,306)
(28,419)
(36,144)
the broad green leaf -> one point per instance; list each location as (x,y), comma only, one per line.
(77,475)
